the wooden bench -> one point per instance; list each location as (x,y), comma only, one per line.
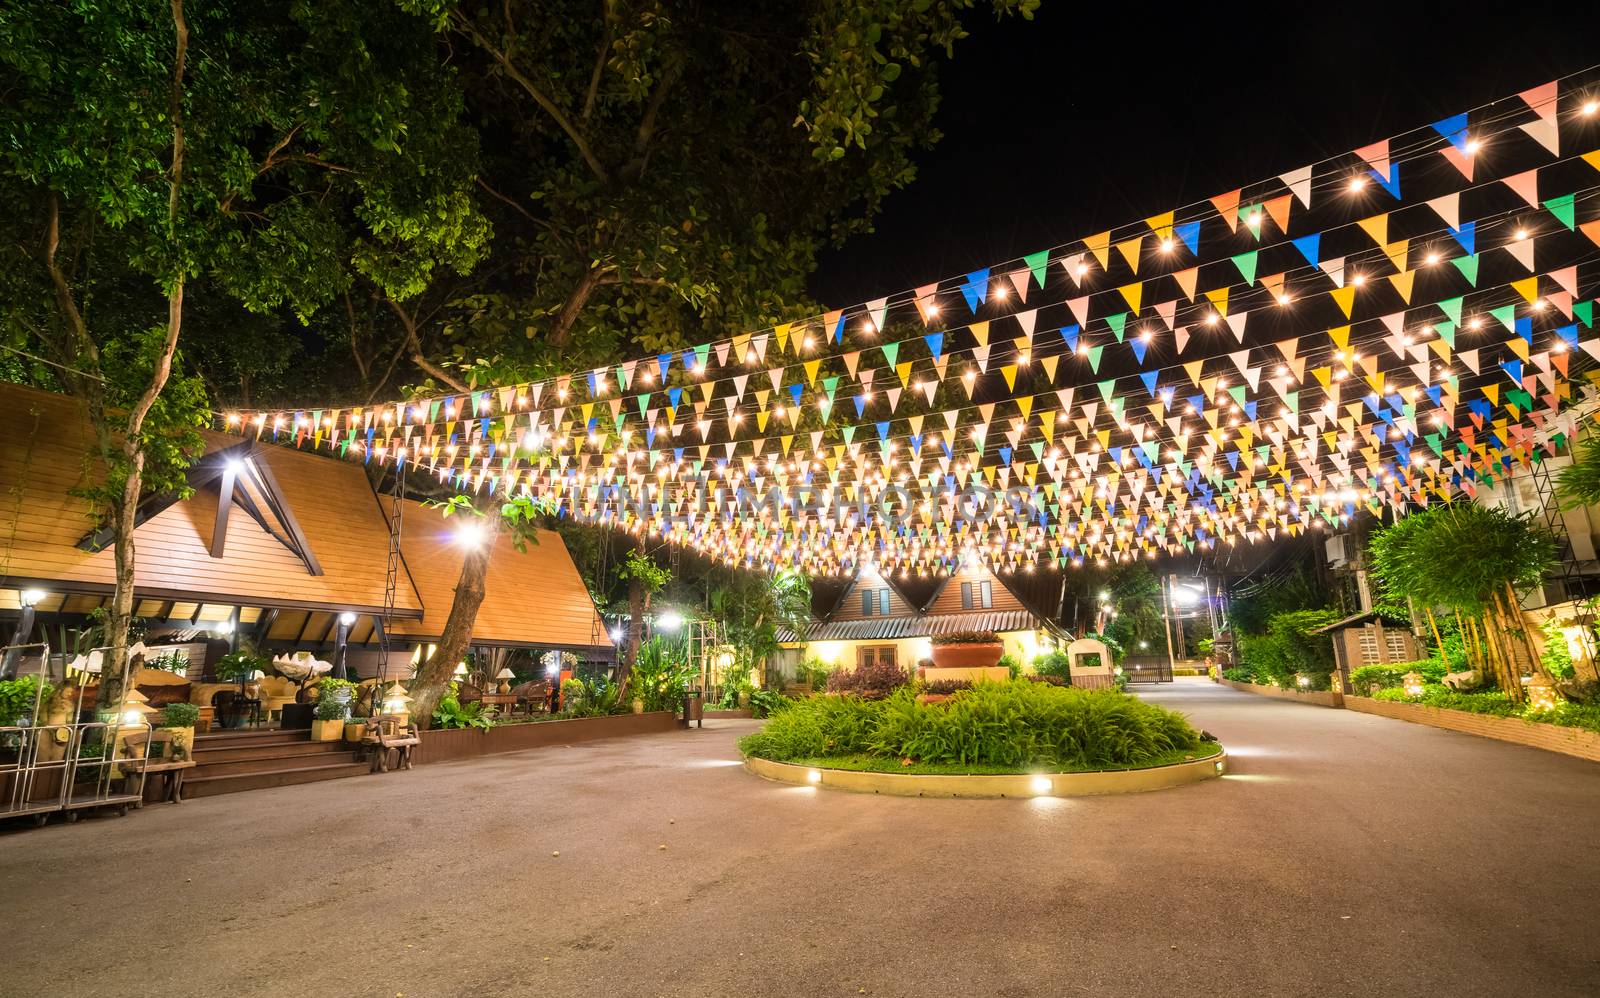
(797,690)
(391,733)
(169,769)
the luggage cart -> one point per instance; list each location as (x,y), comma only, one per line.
(106,758)
(33,756)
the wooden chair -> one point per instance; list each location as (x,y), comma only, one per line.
(163,765)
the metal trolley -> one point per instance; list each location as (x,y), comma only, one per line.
(33,756)
(72,765)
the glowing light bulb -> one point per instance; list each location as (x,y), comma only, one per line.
(1357,183)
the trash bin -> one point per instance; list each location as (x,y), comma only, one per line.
(694,709)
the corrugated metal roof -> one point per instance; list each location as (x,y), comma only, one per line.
(891,628)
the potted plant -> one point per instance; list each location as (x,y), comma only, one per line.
(355,729)
(328,722)
(967,650)
(180,718)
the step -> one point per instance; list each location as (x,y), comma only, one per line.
(210,786)
(206,756)
(272,763)
(245,739)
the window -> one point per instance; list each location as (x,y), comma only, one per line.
(988,596)
(874,601)
(1369,645)
(1396,640)
(875,655)
(966,595)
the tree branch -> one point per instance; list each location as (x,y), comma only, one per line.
(466,27)
(599,64)
(573,306)
(417,356)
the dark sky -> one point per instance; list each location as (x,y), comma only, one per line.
(1099,114)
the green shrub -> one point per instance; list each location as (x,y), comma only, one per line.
(180,715)
(238,665)
(1368,679)
(1053,663)
(450,713)
(662,673)
(1239,674)
(1290,649)
(765,703)
(1487,702)
(814,671)
(17,698)
(1012,666)
(1014,724)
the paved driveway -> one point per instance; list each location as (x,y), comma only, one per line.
(1345,855)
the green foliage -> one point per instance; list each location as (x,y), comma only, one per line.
(753,606)
(641,568)
(239,665)
(1012,666)
(1240,674)
(814,671)
(1556,656)
(175,662)
(450,713)
(965,638)
(1053,663)
(1289,649)
(1578,484)
(1136,595)
(662,673)
(1495,703)
(17,698)
(765,703)
(592,698)
(1460,555)
(1011,724)
(333,699)
(180,715)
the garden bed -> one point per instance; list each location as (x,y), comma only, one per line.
(1319,698)
(445,745)
(1517,730)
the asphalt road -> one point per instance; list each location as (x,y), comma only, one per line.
(1344,855)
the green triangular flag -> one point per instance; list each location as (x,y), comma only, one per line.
(1107,387)
(1094,358)
(1585,311)
(1036,262)
(1118,324)
(1246,262)
(1447,332)
(1452,308)
(891,352)
(644,400)
(849,435)
(1507,314)
(1468,265)
(829,385)
(1237,391)
(1563,210)
(701,354)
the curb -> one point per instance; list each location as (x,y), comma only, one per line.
(1130,781)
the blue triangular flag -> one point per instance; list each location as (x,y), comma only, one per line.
(1309,247)
(1454,128)
(976,290)
(1189,232)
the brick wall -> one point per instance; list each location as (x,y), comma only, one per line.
(1550,737)
(1320,698)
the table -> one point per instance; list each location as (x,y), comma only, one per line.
(498,700)
(242,707)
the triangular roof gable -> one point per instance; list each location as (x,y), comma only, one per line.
(872,574)
(984,571)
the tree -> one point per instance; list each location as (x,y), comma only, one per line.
(645,578)
(1471,560)
(753,606)
(273,151)
(659,176)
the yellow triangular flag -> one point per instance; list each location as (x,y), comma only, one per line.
(1345,297)
(1377,227)
(1100,246)
(1129,248)
(1219,300)
(1134,293)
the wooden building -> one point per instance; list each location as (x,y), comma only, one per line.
(1370,639)
(279,545)
(878,618)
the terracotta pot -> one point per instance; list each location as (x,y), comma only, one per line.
(967,656)
(327,731)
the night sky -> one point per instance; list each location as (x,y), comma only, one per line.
(1095,115)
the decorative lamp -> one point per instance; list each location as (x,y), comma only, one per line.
(396,700)
(461,671)
(1541,695)
(1303,681)
(135,709)
(503,675)
(1413,684)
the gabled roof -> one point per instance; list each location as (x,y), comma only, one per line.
(317,539)
(922,625)
(533,598)
(1361,620)
(912,600)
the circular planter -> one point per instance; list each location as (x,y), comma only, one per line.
(1122,781)
(967,656)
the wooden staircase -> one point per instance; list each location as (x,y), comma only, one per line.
(229,762)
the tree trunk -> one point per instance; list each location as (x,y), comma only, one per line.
(125,514)
(433,677)
(638,606)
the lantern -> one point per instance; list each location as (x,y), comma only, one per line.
(1413,684)
(1541,695)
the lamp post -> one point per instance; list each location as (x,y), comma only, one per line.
(29,599)
(341,641)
